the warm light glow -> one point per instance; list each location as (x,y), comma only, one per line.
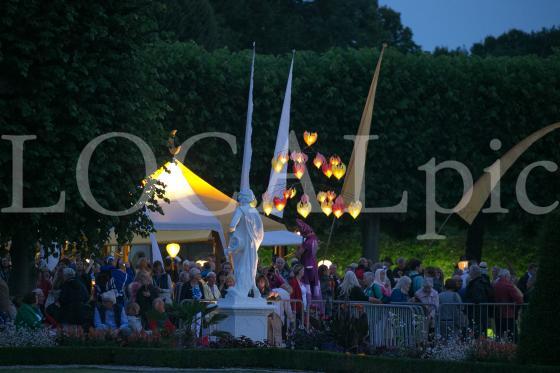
(462,265)
(201,262)
(321,197)
(253,203)
(299,169)
(279,203)
(299,157)
(339,170)
(310,138)
(319,160)
(293,192)
(354,208)
(286,193)
(283,158)
(327,169)
(331,195)
(326,207)
(325,262)
(267,207)
(173,249)
(277,166)
(334,160)
(338,207)
(303,206)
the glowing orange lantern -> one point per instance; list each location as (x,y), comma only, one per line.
(310,138)
(292,192)
(286,193)
(279,203)
(321,197)
(334,160)
(283,158)
(303,206)
(338,207)
(299,169)
(319,160)
(277,166)
(354,208)
(331,195)
(298,157)
(339,170)
(327,169)
(326,206)
(267,207)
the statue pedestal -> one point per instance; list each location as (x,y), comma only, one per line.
(245,317)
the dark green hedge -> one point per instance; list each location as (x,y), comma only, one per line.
(447,107)
(247,358)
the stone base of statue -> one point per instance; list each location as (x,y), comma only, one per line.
(246,317)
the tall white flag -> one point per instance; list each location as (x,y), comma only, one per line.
(248,149)
(277,181)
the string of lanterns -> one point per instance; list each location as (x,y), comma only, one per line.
(333,166)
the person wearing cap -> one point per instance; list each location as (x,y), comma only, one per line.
(109,315)
(73,298)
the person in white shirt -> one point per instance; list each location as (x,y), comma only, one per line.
(211,291)
(281,315)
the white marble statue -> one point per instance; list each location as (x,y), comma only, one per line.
(247,234)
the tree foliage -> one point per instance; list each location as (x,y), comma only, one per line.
(519,43)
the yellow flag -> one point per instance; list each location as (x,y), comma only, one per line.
(352,188)
(476,196)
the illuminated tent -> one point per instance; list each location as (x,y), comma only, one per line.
(196,208)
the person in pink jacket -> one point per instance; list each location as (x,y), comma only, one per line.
(506,316)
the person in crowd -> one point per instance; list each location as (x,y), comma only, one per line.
(333,276)
(459,286)
(506,292)
(133,317)
(381,286)
(162,281)
(281,268)
(44,282)
(143,265)
(40,299)
(28,314)
(299,291)
(479,290)
(388,263)
(178,289)
(400,269)
(401,290)
(5,269)
(368,282)
(109,315)
(435,274)
(415,274)
(350,290)
(228,283)
(280,317)
(274,277)
(158,320)
(530,289)
(194,289)
(326,289)
(361,269)
(7,309)
(263,286)
(185,266)
(522,283)
(484,270)
(83,276)
(206,268)
(450,313)
(211,291)
(73,298)
(465,276)
(495,274)
(104,283)
(145,293)
(121,280)
(427,295)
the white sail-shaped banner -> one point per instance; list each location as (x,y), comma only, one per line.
(277,181)
(248,149)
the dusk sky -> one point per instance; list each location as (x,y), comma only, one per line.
(458,23)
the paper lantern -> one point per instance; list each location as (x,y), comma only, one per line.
(277,166)
(253,203)
(331,195)
(279,203)
(267,207)
(319,160)
(293,192)
(354,208)
(339,170)
(173,249)
(326,207)
(310,138)
(298,157)
(303,206)
(327,169)
(283,158)
(334,160)
(286,193)
(299,169)
(321,197)
(338,207)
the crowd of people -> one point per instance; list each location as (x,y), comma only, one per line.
(114,295)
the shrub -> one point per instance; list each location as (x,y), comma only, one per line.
(540,331)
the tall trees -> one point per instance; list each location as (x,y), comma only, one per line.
(71,71)
(518,43)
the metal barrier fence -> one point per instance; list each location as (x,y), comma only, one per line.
(393,325)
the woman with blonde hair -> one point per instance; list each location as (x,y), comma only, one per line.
(350,290)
